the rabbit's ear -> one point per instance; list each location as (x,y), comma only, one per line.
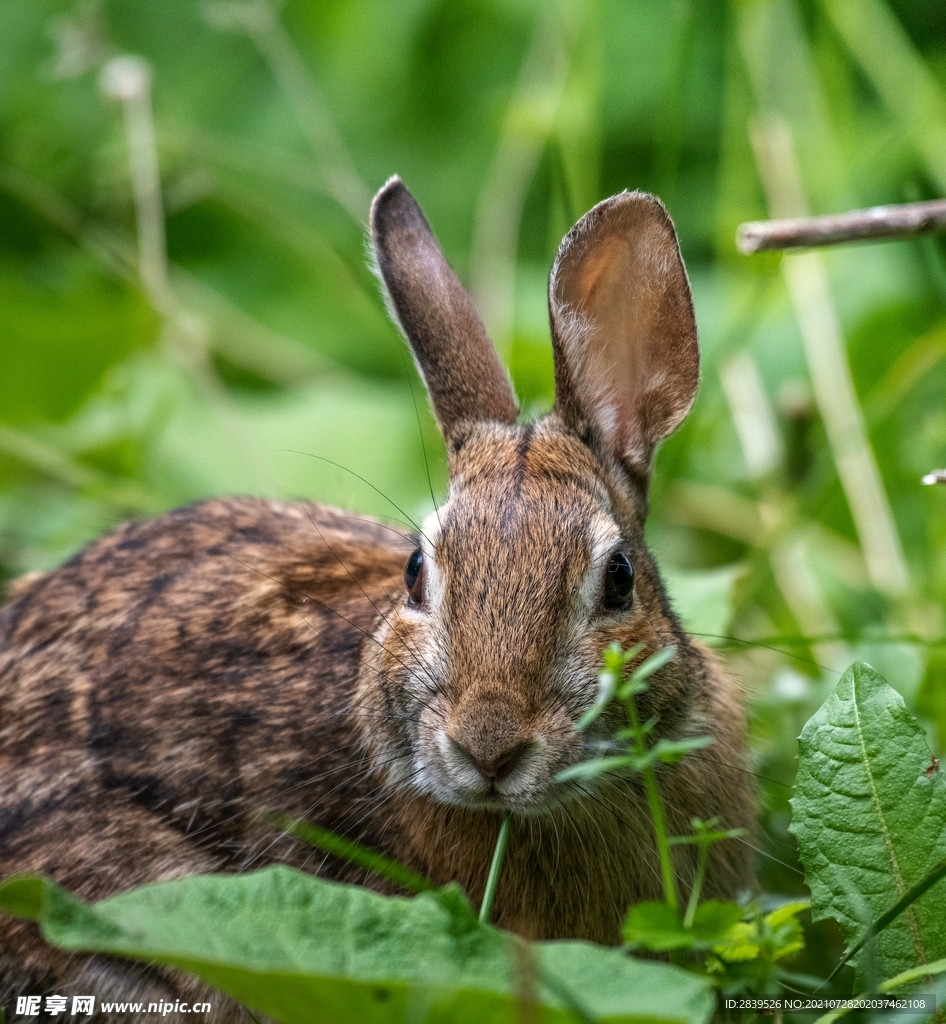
(454,353)
(627,362)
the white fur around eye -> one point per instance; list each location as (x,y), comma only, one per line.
(434,582)
(604,536)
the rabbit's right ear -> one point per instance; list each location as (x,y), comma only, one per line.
(454,354)
(627,362)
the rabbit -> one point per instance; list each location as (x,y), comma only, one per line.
(180,679)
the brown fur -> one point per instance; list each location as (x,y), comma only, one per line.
(182,677)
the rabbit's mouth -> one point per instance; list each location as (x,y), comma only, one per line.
(533,805)
(520,780)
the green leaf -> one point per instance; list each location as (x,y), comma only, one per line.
(35,899)
(907,900)
(364,856)
(615,659)
(905,978)
(672,751)
(740,943)
(22,896)
(301,949)
(870,823)
(653,664)
(714,918)
(637,681)
(656,926)
(592,769)
(607,687)
(770,938)
(659,927)
(783,929)
(665,751)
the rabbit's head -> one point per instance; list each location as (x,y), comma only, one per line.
(536,560)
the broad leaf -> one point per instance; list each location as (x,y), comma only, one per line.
(658,926)
(301,949)
(870,819)
(714,918)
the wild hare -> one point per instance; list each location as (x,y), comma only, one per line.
(181,678)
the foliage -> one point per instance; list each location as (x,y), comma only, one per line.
(739,955)
(301,949)
(638,754)
(870,817)
(288,944)
(507,120)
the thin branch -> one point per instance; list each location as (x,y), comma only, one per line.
(897,221)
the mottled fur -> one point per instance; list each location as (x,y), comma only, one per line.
(181,678)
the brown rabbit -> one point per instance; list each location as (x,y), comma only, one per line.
(182,677)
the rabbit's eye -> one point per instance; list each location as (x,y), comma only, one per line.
(414,577)
(618,581)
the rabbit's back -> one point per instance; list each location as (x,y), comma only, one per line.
(186,667)
(173,683)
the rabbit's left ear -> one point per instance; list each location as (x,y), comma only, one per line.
(454,354)
(627,361)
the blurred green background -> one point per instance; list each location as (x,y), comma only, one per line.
(211,336)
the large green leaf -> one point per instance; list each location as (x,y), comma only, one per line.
(302,949)
(870,818)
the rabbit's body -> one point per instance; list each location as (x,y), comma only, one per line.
(181,680)
(205,683)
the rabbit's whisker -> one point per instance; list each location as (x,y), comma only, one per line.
(645,839)
(309,811)
(420,433)
(357,583)
(345,469)
(769,856)
(372,760)
(373,522)
(760,645)
(324,607)
(375,805)
(233,817)
(370,806)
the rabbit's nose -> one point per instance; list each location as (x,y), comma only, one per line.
(497,767)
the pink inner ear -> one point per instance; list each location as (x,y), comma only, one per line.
(622,313)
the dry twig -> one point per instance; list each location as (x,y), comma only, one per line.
(856,225)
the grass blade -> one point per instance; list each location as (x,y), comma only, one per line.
(492,880)
(363,856)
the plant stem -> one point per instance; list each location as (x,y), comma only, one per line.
(492,880)
(656,810)
(697,886)
(660,834)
